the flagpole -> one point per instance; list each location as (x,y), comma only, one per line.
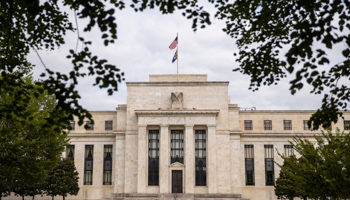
(177,35)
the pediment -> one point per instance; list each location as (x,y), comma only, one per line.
(177,165)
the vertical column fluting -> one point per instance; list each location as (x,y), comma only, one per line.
(141,159)
(164,159)
(212,186)
(189,159)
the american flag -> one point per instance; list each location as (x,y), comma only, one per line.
(173,44)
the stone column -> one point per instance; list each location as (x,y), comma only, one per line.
(119,163)
(141,159)
(164,159)
(189,159)
(211,173)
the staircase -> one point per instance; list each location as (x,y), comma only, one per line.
(176,196)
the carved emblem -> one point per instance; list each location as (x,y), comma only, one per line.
(176,97)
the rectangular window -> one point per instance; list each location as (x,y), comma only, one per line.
(107,165)
(108,125)
(346,125)
(89,153)
(72,125)
(306,127)
(248,125)
(89,125)
(153,157)
(269,165)
(201,157)
(288,150)
(177,146)
(267,124)
(249,164)
(70,152)
(287,124)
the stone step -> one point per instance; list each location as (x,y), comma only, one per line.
(177,196)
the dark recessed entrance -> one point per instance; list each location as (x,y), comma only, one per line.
(176,181)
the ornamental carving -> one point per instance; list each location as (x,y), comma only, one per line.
(176,97)
(176,100)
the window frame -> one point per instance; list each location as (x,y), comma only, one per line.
(269,160)
(70,147)
(346,127)
(72,125)
(177,136)
(306,127)
(268,125)
(153,157)
(288,150)
(248,125)
(90,126)
(287,126)
(249,159)
(88,173)
(200,157)
(109,125)
(107,174)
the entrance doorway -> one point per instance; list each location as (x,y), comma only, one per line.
(176,181)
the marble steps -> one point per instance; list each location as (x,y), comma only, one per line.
(178,196)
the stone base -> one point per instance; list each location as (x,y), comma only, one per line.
(176,105)
(178,196)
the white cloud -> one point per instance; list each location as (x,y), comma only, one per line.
(142,49)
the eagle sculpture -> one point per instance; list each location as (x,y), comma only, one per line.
(176,97)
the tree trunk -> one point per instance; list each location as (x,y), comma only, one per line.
(64,197)
(33,197)
(23,197)
(52,197)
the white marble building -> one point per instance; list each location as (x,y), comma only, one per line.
(184,140)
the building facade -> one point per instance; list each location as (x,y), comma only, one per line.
(184,140)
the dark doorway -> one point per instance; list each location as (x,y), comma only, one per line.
(177,181)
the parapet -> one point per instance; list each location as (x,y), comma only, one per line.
(182,78)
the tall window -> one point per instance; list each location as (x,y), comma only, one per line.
(346,125)
(269,165)
(306,127)
(70,152)
(248,125)
(107,165)
(89,153)
(267,124)
(201,158)
(288,150)
(108,125)
(153,157)
(89,125)
(249,164)
(177,146)
(287,124)
(72,125)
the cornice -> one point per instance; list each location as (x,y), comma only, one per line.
(166,84)
(91,135)
(177,112)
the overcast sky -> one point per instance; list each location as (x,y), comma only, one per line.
(142,49)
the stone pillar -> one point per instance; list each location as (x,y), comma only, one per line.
(141,159)
(236,162)
(164,159)
(189,159)
(119,163)
(211,173)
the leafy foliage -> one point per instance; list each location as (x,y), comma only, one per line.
(285,187)
(293,38)
(30,146)
(322,171)
(63,179)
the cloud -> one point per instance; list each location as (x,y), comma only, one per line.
(142,49)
